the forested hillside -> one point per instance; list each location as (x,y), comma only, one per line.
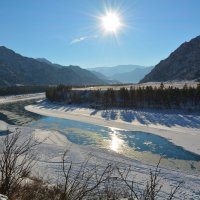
(182,64)
(19,70)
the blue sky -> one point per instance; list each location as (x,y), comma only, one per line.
(67,31)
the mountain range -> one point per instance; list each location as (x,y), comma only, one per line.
(122,73)
(182,64)
(16,69)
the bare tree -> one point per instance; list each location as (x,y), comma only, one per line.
(16,160)
(82,182)
(113,187)
(78,181)
(152,188)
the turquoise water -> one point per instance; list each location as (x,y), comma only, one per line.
(103,137)
(83,134)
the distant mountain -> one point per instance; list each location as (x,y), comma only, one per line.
(110,71)
(133,76)
(182,64)
(123,73)
(105,78)
(16,69)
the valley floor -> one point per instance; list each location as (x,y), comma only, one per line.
(182,129)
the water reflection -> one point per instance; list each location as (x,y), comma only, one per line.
(116,142)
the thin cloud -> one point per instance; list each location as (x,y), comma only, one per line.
(83,38)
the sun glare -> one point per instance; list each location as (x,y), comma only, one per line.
(116,142)
(111,22)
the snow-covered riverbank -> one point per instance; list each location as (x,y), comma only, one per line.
(23,97)
(54,144)
(181,129)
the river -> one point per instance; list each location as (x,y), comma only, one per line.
(138,145)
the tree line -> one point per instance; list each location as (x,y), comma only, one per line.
(133,97)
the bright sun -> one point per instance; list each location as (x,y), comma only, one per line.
(111,22)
